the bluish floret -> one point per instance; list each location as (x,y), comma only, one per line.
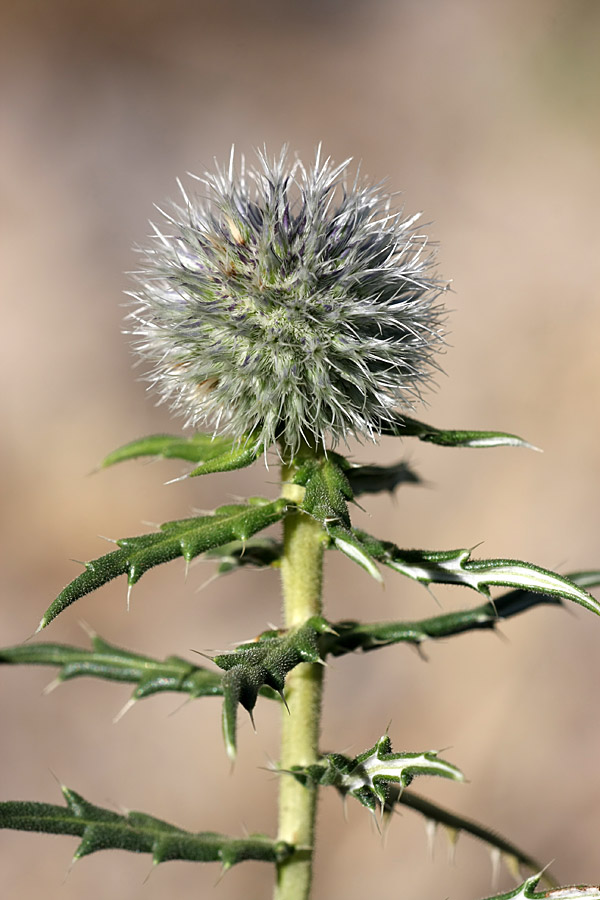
(287,305)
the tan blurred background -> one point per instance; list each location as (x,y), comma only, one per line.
(486,116)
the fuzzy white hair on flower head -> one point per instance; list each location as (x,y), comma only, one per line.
(288,305)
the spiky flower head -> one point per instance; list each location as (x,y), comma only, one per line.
(288,305)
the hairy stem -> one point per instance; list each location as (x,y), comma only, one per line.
(302,575)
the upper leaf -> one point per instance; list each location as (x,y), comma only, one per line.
(368,775)
(103,829)
(327,492)
(185,537)
(457,567)
(354,548)
(407,427)
(211,453)
(375,479)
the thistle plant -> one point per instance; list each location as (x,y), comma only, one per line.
(284,311)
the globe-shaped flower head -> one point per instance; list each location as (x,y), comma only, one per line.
(289,305)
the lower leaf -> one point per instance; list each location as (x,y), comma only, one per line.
(526,891)
(455,825)
(368,776)
(103,829)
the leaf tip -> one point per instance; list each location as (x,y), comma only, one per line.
(231,751)
(67,794)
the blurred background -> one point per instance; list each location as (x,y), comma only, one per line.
(485,116)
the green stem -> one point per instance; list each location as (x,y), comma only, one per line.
(302,576)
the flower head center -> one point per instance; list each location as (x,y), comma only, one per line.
(307,305)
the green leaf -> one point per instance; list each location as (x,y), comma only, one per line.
(369,775)
(346,637)
(211,453)
(407,427)
(327,491)
(526,891)
(259,552)
(457,567)
(376,479)
(112,663)
(185,537)
(103,829)
(355,549)
(586,578)
(264,662)
(455,825)
(116,664)
(236,458)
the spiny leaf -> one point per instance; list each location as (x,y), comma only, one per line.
(355,549)
(369,775)
(407,427)
(211,453)
(260,552)
(376,479)
(458,824)
(197,449)
(103,829)
(349,636)
(113,663)
(457,567)
(237,458)
(526,891)
(264,662)
(185,537)
(327,490)
(116,664)
(586,578)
